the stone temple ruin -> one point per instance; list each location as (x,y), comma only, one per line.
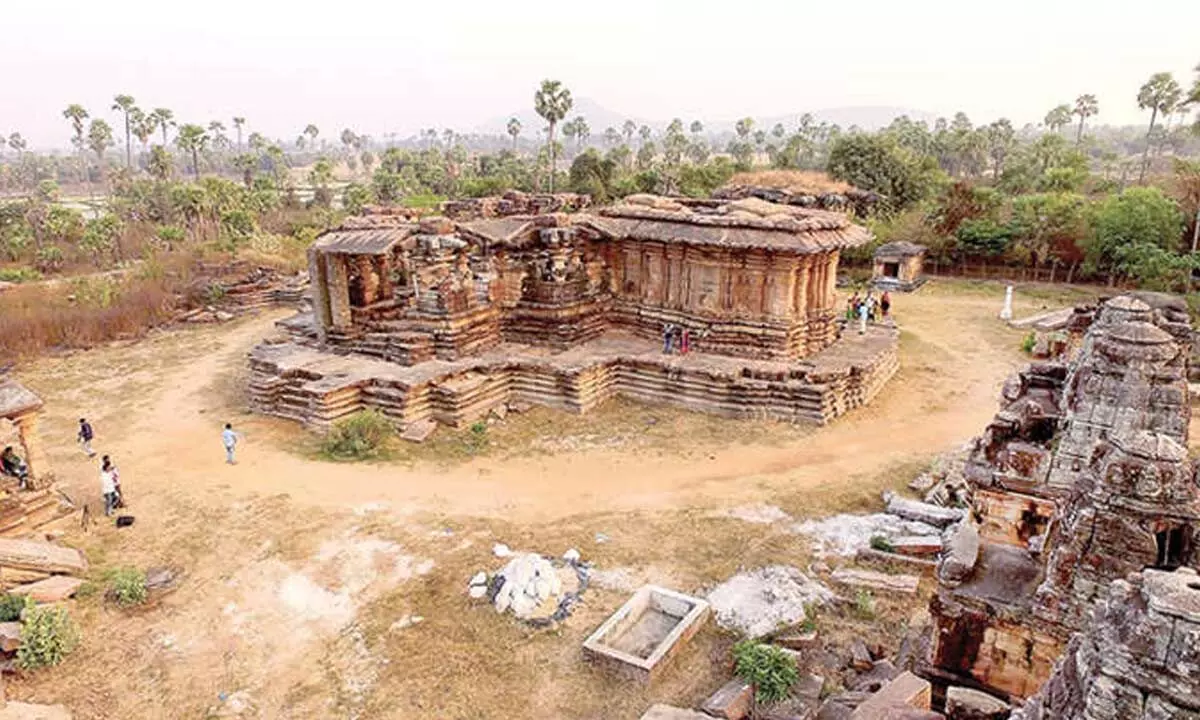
(446,320)
(1081,482)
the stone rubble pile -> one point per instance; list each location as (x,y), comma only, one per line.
(532,587)
(759,602)
(514,202)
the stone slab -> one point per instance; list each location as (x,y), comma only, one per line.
(917,545)
(906,584)
(10,636)
(30,711)
(419,431)
(906,692)
(55,588)
(733,701)
(967,704)
(668,712)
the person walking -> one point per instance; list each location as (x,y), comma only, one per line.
(668,337)
(863,310)
(85,436)
(685,341)
(230,439)
(109,485)
(885,303)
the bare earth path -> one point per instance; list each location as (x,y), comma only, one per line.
(295,569)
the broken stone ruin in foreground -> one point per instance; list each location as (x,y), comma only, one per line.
(1086,520)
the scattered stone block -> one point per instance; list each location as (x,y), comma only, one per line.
(917,545)
(419,431)
(860,656)
(798,640)
(733,701)
(967,704)
(667,712)
(10,636)
(922,564)
(55,588)
(918,511)
(42,557)
(906,584)
(907,691)
(808,689)
(879,674)
(161,578)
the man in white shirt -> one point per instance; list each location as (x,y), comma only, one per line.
(230,439)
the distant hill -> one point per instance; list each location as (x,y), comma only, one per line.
(600,117)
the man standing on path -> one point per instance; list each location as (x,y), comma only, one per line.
(230,439)
(85,436)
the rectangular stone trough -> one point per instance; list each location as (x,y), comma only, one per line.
(636,641)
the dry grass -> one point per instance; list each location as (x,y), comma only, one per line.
(794,181)
(82,313)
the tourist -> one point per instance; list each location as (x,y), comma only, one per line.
(12,465)
(109,485)
(863,311)
(852,307)
(230,439)
(685,341)
(885,303)
(668,338)
(85,437)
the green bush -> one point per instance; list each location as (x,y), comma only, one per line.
(361,436)
(770,670)
(1029,343)
(19,275)
(48,635)
(127,586)
(11,606)
(881,543)
(864,605)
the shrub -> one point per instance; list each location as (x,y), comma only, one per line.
(11,607)
(48,635)
(810,617)
(19,275)
(770,670)
(478,439)
(864,605)
(879,542)
(127,586)
(1029,343)
(361,436)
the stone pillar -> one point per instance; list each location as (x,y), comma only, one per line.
(831,280)
(370,278)
(800,293)
(35,458)
(338,283)
(319,288)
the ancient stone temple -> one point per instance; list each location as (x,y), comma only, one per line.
(726,307)
(899,265)
(1137,659)
(1080,480)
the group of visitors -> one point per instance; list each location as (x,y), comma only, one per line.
(13,466)
(677,340)
(868,308)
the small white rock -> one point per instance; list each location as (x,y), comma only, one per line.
(480,578)
(501,550)
(477,591)
(571,556)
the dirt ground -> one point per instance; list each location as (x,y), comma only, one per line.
(297,572)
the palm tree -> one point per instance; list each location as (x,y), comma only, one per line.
(552,102)
(582,132)
(99,139)
(192,139)
(238,122)
(743,127)
(644,132)
(76,114)
(514,130)
(1058,118)
(611,136)
(142,126)
(124,103)
(312,132)
(1159,95)
(628,128)
(1086,106)
(697,127)
(163,118)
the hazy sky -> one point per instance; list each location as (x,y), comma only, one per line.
(381,67)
